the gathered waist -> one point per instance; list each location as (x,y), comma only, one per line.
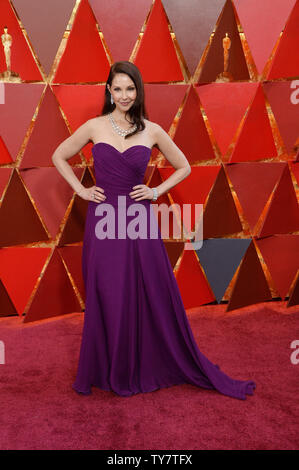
(117,185)
(121,200)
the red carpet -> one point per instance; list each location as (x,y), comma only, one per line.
(39,410)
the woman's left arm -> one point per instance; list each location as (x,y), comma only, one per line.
(175,157)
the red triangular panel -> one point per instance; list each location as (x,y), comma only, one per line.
(155,98)
(220,214)
(196,187)
(19,271)
(52,203)
(80,103)
(254,183)
(7,307)
(283,212)
(128,24)
(214,62)
(283,99)
(55,286)
(72,256)
(194,288)
(19,221)
(21,100)
(4,179)
(22,61)
(156,56)
(199,16)
(5,158)
(286,59)
(225,105)
(255,141)
(262,22)
(174,251)
(84,58)
(251,285)
(192,190)
(191,134)
(281,254)
(294,295)
(49,131)
(73,230)
(294,167)
(45,23)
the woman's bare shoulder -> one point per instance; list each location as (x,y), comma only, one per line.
(97,123)
(154,130)
(98,120)
(151,126)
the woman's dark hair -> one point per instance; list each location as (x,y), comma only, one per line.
(137,111)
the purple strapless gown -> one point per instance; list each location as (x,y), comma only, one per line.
(136,335)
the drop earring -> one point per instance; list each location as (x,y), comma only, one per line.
(111,99)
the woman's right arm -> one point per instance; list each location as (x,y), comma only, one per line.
(66,150)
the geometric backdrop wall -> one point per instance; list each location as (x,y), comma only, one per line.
(221,77)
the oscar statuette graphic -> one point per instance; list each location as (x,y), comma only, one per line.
(8,74)
(225,76)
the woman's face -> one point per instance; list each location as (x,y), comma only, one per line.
(123,91)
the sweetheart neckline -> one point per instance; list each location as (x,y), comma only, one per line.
(106,143)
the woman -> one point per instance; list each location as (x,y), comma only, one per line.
(136,335)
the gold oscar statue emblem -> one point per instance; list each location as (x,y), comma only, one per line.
(8,74)
(225,76)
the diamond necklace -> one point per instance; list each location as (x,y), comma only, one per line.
(119,130)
